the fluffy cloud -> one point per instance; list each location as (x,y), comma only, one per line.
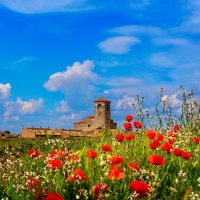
(106,92)
(77,82)
(63,107)
(42,6)
(138,30)
(172,100)
(68,117)
(20,107)
(4,90)
(118,45)
(125,102)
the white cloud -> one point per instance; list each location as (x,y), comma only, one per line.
(4,90)
(162,59)
(106,92)
(42,6)
(170,41)
(63,107)
(191,21)
(172,100)
(77,82)
(118,45)
(24,59)
(11,118)
(68,117)
(136,30)
(20,107)
(125,102)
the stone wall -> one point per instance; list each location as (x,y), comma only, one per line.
(27,133)
(88,124)
(78,126)
(2,134)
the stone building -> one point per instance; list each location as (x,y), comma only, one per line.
(43,132)
(6,135)
(2,134)
(87,126)
(101,117)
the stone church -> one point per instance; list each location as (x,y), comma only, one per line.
(101,117)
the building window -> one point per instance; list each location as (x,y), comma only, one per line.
(107,106)
(88,125)
(99,105)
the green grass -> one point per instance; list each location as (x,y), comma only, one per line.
(166,177)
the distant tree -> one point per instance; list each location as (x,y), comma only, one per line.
(8,132)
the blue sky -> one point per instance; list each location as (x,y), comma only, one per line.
(56,57)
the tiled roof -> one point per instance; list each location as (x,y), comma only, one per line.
(90,117)
(102,99)
(78,122)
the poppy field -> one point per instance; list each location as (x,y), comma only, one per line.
(154,157)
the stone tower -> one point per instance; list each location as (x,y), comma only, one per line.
(102,115)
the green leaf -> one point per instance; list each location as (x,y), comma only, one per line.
(186,193)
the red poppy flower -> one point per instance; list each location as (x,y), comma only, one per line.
(31,183)
(54,163)
(130,136)
(77,175)
(99,187)
(137,124)
(114,160)
(186,155)
(176,128)
(57,154)
(129,118)
(115,173)
(160,137)
(178,152)
(171,140)
(53,196)
(119,137)
(91,154)
(151,134)
(196,140)
(172,133)
(167,147)
(106,148)
(140,187)
(128,126)
(34,153)
(156,160)
(155,144)
(133,166)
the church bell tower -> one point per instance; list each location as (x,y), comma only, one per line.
(102,115)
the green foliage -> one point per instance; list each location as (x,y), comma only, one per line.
(8,132)
(177,179)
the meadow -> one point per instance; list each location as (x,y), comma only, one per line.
(154,157)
